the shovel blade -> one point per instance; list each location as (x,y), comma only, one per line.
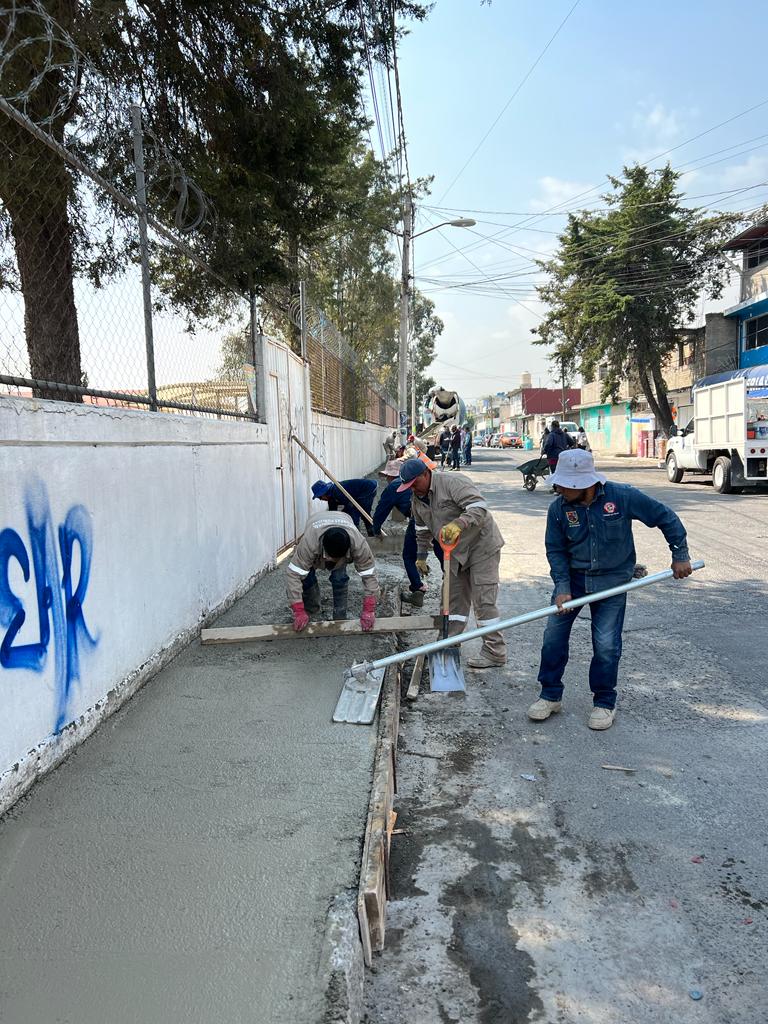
(445,673)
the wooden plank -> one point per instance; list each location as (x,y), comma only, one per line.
(336,627)
(374,872)
(413,689)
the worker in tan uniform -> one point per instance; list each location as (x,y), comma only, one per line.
(450,509)
(330,541)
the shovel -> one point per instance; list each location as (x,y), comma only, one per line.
(445,674)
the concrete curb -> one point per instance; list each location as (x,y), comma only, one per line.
(341,965)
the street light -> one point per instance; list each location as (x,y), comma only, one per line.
(405,294)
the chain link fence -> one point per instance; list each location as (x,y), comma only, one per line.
(340,383)
(90,274)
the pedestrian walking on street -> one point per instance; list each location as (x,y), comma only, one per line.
(582,440)
(363,491)
(445,445)
(590,547)
(393,497)
(555,442)
(330,541)
(452,510)
(544,436)
(455,447)
(467,446)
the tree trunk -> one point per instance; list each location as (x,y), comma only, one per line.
(294,295)
(663,420)
(43,239)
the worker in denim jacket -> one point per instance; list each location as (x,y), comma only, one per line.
(590,548)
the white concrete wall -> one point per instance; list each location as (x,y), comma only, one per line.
(348,449)
(161,519)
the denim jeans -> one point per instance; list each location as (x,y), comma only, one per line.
(409,555)
(607,624)
(339,582)
(454,458)
(468,456)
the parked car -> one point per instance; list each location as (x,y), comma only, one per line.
(510,441)
(494,441)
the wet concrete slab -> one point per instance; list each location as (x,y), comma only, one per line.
(180,864)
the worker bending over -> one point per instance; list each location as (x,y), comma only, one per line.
(450,509)
(392,497)
(390,445)
(330,541)
(590,548)
(363,491)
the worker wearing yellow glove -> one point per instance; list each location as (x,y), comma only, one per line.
(423,566)
(450,533)
(450,509)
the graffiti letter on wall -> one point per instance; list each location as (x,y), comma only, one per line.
(59,615)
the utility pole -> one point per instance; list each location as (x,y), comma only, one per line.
(562,381)
(405,295)
(413,398)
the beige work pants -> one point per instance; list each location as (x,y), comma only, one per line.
(477,588)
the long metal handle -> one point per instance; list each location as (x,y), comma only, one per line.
(519,620)
(328,473)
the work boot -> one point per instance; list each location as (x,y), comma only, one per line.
(484,660)
(601,718)
(340,602)
(541,709)
(413,597)
(312,598)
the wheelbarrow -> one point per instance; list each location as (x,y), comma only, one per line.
(532,471)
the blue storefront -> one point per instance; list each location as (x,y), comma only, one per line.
(752,311)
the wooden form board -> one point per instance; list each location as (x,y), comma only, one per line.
(336,627)
(374,873)
(418,669)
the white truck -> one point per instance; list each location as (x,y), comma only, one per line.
(728,435)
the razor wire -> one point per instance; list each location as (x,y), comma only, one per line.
(71,317)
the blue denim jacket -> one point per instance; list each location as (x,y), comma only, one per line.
(391,499)
(597,540)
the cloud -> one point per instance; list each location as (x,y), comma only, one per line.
(654,128)
(557,191)
(659,123)
(752,171)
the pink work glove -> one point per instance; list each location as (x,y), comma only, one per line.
(300,617)
(368,617)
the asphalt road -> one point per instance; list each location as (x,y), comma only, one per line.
(588,895)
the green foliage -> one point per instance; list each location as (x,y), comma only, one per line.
(625,279)
(258,101)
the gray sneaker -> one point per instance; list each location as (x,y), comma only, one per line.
(541,709)
(601,718)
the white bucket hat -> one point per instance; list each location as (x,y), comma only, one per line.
(576,470)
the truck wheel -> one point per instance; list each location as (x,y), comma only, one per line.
(721,475)
(674,473)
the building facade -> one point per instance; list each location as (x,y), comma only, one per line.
(751,312)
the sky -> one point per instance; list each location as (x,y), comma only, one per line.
(620,82)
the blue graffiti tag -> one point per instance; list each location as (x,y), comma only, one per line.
(59,615)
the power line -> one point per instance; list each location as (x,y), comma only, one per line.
(589,245)
(561,208)
(503,110)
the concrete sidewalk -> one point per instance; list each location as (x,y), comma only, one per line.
(180,865)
